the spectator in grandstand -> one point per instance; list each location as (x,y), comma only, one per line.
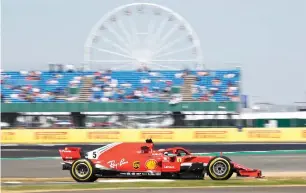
(143,68)
(203,73)
(2,98)
(229,76)
(29,98)
(175,99)
(55,79)
(95,88)
(33,75)
(97,75)
(231,92)
(75,82)
(235,98)
(216,82)
(231,89)
(4,77)
(204,97)
(70,68)
(167,89)
(137,94)
(52,81)
(179,75)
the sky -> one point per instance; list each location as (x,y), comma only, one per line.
(266,38)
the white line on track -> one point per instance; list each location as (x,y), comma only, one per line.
(103,181)
(8,145)
(23,150)
(135,180)
(165,188)
(13,182)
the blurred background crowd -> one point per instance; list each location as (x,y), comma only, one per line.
(143,85)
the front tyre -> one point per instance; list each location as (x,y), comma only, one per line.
(82,170)
(220,168)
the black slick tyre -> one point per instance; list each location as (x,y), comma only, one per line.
(220,168)
(82,170)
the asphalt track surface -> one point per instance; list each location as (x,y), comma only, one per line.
(51,168)
(299,189)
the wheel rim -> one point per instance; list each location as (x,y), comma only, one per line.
(220,168)
(81,170)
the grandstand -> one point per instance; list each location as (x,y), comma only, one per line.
(105,92)
(120,86)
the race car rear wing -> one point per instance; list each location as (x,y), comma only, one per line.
(71,153)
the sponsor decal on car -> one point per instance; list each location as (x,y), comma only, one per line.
(169,167)
(157,154)
(141,173)
(136,165)
(113,164)
(65,150)
(151,164)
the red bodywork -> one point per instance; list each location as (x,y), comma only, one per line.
(141,157)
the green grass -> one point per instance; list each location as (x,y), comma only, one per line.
(178,183)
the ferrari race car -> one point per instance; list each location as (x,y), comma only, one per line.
(140,160)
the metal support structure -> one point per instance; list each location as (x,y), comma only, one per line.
(157,47)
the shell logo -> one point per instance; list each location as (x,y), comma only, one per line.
(151,164)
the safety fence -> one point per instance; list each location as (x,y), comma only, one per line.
(117,107)
(66,136)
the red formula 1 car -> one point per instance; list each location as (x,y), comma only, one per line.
(142,161)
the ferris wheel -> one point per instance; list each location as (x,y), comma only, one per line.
(140,34)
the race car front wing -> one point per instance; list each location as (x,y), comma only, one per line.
(243,171)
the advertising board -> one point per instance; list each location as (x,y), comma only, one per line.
(41,136)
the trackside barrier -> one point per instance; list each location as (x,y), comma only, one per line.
(66,136)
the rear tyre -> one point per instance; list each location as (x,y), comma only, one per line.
(82,170)
(220,168)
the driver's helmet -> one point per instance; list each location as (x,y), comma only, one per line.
(145,149)
(166,153)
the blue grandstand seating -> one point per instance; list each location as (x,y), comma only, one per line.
(154,83)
